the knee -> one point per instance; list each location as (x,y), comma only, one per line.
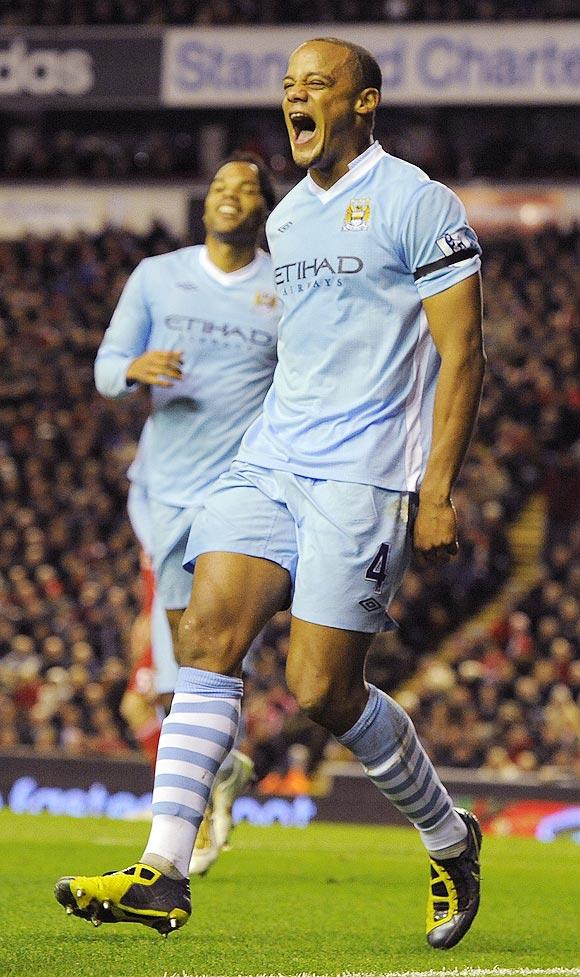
(313,693)
(321,697)
(206,644)
(334,701)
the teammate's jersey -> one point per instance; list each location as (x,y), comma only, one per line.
(226,327)
(352,397)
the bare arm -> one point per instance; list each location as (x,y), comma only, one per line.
(454,318)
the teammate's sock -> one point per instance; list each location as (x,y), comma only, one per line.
(196,737)
(385,742)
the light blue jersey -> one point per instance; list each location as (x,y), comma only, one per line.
(226,327)
(353,392)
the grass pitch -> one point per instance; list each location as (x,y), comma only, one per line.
(326,900)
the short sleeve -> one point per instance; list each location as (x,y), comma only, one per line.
(439,246)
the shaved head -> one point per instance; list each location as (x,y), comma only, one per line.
(367,68)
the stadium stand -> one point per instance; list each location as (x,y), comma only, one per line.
(52,13)
(450,143)
(69,581)
(507,701)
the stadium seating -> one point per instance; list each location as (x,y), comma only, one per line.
(101,12)
(69,583)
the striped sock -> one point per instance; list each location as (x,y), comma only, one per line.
(196,737)
(385,742)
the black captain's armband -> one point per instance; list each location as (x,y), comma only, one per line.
(449,259)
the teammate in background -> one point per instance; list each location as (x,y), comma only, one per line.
(198,327)
(353,459)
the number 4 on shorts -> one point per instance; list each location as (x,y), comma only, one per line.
(377,568)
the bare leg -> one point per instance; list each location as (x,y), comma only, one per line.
(232,597)
(326,674)
(174,617)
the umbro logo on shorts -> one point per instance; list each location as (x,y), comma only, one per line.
(370,604)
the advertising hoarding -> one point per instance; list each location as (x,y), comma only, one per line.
(83,67)
(223,67)
(435,64)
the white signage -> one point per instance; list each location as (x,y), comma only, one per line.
(66,208)
(434,64)
(46,209)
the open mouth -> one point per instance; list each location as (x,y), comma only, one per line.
(228,209)
(304,127)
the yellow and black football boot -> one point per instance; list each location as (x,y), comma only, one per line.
(138,894)
(454,890)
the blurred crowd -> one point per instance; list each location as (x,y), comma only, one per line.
(506,699)
(52,13)
(449,143)
(69,578)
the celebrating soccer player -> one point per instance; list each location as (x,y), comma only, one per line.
(351,463)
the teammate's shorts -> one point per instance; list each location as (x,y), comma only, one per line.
(170,527)
(165,665)
(346,546)
(138,512)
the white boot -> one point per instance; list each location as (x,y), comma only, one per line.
(216,826)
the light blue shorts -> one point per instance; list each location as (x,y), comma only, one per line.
(165,665)
(170,527)
(139,517)
(346,546)
(168,522)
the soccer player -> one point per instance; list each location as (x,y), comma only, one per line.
(198,328)
(352,461)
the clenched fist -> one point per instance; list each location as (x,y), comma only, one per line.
(156,367)
(435,531)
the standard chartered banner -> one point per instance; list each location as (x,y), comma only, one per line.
(437,64)
(112,67)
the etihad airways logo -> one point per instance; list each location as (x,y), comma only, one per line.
(218,333)
(317,271)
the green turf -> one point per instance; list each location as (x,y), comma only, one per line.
(326,900)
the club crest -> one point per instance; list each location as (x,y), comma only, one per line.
(265,302)
(357,215)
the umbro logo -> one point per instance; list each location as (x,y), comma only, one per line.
(284,227)
(188,286)
(370,604)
